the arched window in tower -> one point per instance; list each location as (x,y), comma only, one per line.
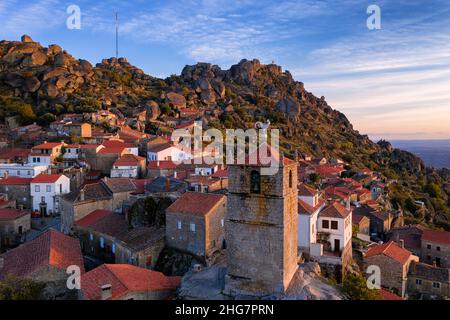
(290,178)
(255,182)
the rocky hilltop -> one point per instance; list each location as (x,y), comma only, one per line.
(39,83)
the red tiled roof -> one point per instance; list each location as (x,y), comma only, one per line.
(15,181)
(390,249)
(48,145)
(117,144)
(306,191)
(356,218)
(129,160)
(195,203)
(221,173)
(104,221)
(46,178)
(11,214)
(335,210)
(387,295)
(52,248)
(165,165)
(89,146)
(124,278)
(13,153)
(140,185)
(93,217)
(117,150)
(436,236)
(328,170)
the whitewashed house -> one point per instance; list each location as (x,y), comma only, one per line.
(324,231)
(309,207)
(45,153)
(29,170)
(45,189)
(128,166)
(205,169)
(167,152)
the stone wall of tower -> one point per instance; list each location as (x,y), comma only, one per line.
(261,230)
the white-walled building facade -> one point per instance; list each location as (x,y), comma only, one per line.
(45,191)
(29,170)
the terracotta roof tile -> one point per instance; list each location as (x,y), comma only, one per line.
(195,203)
(124,278)
(11,214)
(335,210)
(52,248)
(47,178)
(306,191)
(15,181)
(436,236)
(129,160)
(390,249)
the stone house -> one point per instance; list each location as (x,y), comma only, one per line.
(435,247)
(14,224)
(195,223)
(428,281)
(108,194)
(18,189)
(362,224)
(394,261)
(127,282)
(107,236)
(45,259)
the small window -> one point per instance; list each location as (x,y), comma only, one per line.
(91,236)
(325,224)
(428,246)
(438,248)
(255,182)
(179,225)
(113,248)
(428,258)
(102,243)
(49,188)
(418,282)
(436,285)
(18,172)
(334,225)
(192,227)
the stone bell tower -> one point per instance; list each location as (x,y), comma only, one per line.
(261,228)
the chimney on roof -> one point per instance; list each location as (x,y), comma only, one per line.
(106,291)
(402,243)
(347,205)
(167,184)
(82,195)
(175,174)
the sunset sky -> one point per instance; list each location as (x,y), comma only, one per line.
(392,83)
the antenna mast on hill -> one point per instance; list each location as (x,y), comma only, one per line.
(117,35)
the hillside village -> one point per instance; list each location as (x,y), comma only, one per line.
(100,190)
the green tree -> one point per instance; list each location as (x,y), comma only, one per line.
(355,288)
(15,288)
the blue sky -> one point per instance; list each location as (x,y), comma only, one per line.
(391,83)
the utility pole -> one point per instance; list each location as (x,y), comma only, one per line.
(117,35)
